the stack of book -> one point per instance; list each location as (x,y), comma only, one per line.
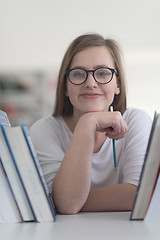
(24,195)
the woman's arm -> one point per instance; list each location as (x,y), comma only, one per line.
(71,184)
(114,198)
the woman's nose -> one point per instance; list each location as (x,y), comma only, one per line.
(90,82)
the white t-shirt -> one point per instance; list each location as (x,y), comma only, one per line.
(51,137)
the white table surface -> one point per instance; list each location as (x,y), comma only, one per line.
(84,226)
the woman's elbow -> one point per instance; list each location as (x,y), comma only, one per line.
(67,210)
(67,207)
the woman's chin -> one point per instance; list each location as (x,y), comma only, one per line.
(95,110)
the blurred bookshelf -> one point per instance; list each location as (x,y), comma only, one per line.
(27,96)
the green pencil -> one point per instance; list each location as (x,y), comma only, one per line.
(114,147)
(114,154)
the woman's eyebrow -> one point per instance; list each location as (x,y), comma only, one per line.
(78,66)
(97,66)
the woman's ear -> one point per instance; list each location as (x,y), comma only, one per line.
(117,92)
(66,93)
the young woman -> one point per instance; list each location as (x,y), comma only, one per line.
(74,145)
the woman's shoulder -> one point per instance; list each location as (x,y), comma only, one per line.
(48,123)
(137,118)
(135,113)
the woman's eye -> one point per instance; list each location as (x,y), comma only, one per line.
(103,73)
(78,74)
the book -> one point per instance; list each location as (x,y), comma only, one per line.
(8,207)
(4,118)
(39,170)
(13,178)
(153,213)
(149,173)
(22,153)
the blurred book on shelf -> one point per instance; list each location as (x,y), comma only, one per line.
(27,95)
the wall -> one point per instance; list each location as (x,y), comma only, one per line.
(35,34)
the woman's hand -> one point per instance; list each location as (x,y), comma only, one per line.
(111,123)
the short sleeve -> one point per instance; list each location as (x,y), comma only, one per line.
(134,145)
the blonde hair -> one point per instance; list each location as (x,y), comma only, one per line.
(63,107)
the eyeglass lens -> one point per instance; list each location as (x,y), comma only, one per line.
(101,75)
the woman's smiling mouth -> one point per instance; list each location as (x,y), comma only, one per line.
(91,95)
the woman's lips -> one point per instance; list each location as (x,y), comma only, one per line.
(91,95)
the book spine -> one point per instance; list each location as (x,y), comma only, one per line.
(38,167)
(15,164)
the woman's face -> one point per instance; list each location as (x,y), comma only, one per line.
(92,96)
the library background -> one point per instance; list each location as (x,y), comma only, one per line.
(32,46)
(27,95)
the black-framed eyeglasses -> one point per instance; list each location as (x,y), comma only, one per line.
(102,75)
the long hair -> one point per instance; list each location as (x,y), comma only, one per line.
(63,107)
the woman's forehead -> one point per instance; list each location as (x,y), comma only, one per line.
(93,56)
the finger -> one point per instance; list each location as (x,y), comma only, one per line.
(117,133)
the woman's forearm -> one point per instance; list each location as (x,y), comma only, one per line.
(113,198)
(71,184)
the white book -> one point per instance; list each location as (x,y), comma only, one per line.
(23,159)
(8,208)
(153,213)
(4,118)
(14,180)
(39,169)
(149,173)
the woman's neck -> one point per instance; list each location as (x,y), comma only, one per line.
(100,137)
(71,122)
